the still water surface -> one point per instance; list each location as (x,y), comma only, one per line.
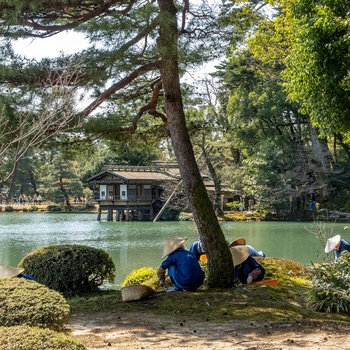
(132,245)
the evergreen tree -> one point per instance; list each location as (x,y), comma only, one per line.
(60,183)
(135,60)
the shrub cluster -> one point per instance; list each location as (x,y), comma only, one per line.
(33,317)
(70,269)
(24,338)
(330,285)
(170,214)
(53,208)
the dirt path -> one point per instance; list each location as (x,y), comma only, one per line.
(112,331)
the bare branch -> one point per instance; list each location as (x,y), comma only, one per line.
(47,117)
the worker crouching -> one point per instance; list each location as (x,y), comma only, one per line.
(183,267)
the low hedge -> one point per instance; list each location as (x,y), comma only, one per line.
(24,338)
(70,269)
(27,302)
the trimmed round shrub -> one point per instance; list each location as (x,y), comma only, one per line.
(70,269)
(24,338)
(140,275)
(31,303)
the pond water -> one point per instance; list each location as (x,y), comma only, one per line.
(132,245)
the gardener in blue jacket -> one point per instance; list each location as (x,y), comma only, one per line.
(197,249)
(183,267)
(337,244)
(11,272)
(247,269)
(242,241)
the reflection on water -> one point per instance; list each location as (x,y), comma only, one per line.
(136,244)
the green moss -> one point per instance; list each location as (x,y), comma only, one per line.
(286,302)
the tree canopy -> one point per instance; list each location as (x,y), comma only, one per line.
(126,98)
(133,67)
(318,60)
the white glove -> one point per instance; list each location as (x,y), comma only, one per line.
(249,279)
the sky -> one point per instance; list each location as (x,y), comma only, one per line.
(72,42)
(68,42)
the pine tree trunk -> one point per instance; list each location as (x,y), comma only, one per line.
(220,265)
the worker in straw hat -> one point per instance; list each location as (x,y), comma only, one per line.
(247,269)
(183,267)
(337,244)
(242,241)
(198,250)
(11,272)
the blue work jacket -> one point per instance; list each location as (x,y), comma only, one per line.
(186,272)
(344,245)
(243,270)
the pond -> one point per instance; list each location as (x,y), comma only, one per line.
(132,245)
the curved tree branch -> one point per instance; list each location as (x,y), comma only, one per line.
(120,85)
(81,12)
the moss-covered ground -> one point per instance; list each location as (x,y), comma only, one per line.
(286,302)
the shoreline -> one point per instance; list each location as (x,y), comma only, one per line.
(322,215)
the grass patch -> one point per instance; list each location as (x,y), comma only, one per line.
(284,303)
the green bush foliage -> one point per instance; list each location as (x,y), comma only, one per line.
(24,338)
(330,285)
(169,214)
(53,208)
(70,269)
(140,275)
(185,216)
(31,303)
(33,208)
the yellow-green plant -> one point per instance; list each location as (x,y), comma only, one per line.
(140,275)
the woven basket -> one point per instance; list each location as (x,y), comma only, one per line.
(135,292)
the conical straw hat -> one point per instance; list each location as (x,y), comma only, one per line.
(9,272)
(237,241)
(240,254)
(331,243)
(173,244)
